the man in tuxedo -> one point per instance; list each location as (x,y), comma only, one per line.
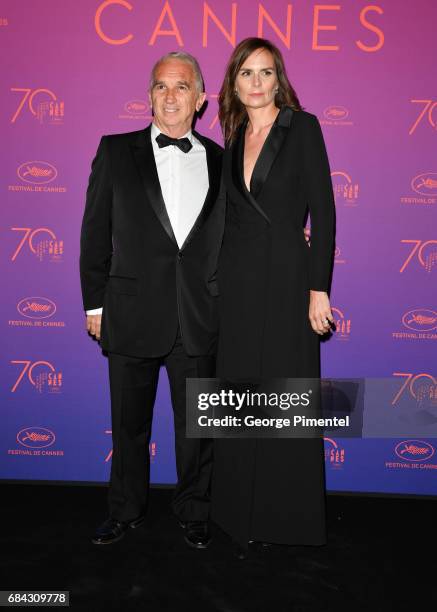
(150,238)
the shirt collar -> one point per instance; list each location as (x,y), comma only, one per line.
(155,131)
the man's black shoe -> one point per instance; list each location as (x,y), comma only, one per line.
(112,530)
(240,552)
(197,533)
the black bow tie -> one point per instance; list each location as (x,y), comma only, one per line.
(182,143)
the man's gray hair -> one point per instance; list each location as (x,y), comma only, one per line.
(183,57)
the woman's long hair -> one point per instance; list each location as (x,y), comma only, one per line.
(231,111)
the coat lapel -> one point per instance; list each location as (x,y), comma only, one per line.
(145,160)
(232,174)
(238,172)
(214,172)
(234,161)
(270,150)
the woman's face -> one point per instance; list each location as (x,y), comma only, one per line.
(256,81)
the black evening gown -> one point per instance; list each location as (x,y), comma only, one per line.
(273,490)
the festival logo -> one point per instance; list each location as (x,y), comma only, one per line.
(37,172)
(36,441)
(42,242)
(36,177)
(152,449)
(334,454)
(41,103)
(423,252)
(345,190)
(36,437)
(336,115)
(338,257)
(426,115)
(35,312)
(413,454)
(342,325)
(136,109)
(420,320)
(414,450)
(36,308)
(419,324)
(425,186)
(42,376)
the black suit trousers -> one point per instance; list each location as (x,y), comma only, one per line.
(133,383)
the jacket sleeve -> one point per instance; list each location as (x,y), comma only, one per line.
(96,232)
(220,208)
(320,199)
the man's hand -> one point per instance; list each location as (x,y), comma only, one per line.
(307,235)
(320,312)
(93,325)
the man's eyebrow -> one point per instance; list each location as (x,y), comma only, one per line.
(186,83)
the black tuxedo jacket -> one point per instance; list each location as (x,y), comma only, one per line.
(130,262)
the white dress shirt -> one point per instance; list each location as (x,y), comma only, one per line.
(184,184)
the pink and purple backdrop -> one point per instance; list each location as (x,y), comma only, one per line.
(77,69)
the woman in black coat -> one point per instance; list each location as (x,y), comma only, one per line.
(273,287)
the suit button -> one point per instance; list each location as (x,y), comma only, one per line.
(180,255)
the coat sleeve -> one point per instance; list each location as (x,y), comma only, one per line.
(320,199)
(220,208)
(96,232)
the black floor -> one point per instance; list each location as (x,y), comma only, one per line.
(381,556)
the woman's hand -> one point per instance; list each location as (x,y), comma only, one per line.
(320,312)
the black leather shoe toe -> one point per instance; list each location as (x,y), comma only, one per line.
(112,530)
(197,534)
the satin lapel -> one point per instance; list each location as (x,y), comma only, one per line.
(145,160)
(214,172)
(233,183)
(238,172)
(270,150)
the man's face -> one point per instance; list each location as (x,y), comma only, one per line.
(174,97)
